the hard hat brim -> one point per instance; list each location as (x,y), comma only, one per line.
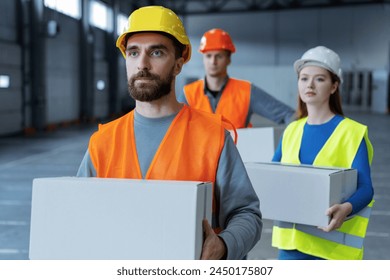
(121,44)
(155,19)
(301,63)
(216,49)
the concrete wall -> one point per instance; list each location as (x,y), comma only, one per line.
(11,98)
(62,71)
(10,66)
(268,43)
(101,98)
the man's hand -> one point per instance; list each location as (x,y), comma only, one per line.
(213,246)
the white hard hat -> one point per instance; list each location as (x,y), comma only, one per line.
(322,57)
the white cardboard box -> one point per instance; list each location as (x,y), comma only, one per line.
(92,218)
(258,144)
(300,193)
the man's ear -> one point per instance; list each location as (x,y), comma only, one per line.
(178,66)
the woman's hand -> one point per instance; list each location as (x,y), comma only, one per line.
(337,213)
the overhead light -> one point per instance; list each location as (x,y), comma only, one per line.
(4,81)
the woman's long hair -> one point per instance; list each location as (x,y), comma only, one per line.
(334,100)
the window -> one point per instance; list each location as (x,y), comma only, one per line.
(101,16)
(100,85)
(71,8)
(4,81)
(121,22)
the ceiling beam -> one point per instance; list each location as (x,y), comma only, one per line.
(198,7)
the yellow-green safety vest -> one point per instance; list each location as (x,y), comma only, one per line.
(338,151)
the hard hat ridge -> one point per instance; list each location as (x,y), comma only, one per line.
(159,19)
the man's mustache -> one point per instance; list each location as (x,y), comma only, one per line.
(145,74)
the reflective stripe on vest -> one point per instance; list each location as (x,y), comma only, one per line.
(189,151)
(339,150)
(309,243)
(234,102)
(338,236)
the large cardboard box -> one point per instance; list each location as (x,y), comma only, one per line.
(300,193)
(258,144)
(92,218)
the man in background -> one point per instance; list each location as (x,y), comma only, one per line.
(235,99)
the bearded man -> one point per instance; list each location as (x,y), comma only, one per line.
(166,140)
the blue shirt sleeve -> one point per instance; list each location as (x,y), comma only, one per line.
(365,191)
(278,152)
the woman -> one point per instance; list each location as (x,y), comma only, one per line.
(323,136)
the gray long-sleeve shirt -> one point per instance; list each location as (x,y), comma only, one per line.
(239,214)
(261,103)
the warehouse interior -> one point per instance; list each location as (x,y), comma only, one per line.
(61,74)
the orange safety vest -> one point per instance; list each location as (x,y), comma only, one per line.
(189,151)
(234,102)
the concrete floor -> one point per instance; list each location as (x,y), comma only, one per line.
(58,153)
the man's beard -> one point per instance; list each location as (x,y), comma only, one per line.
(153,89)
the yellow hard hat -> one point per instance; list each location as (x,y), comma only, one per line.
(155,18)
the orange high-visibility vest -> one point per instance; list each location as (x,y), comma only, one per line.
(189,151)
(234,102)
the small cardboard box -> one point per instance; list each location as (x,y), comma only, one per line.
(300,193)
(258,144)
(122,219)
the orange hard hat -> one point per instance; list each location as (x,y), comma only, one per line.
(216,39)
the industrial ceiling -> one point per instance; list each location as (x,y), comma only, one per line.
(193,7)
